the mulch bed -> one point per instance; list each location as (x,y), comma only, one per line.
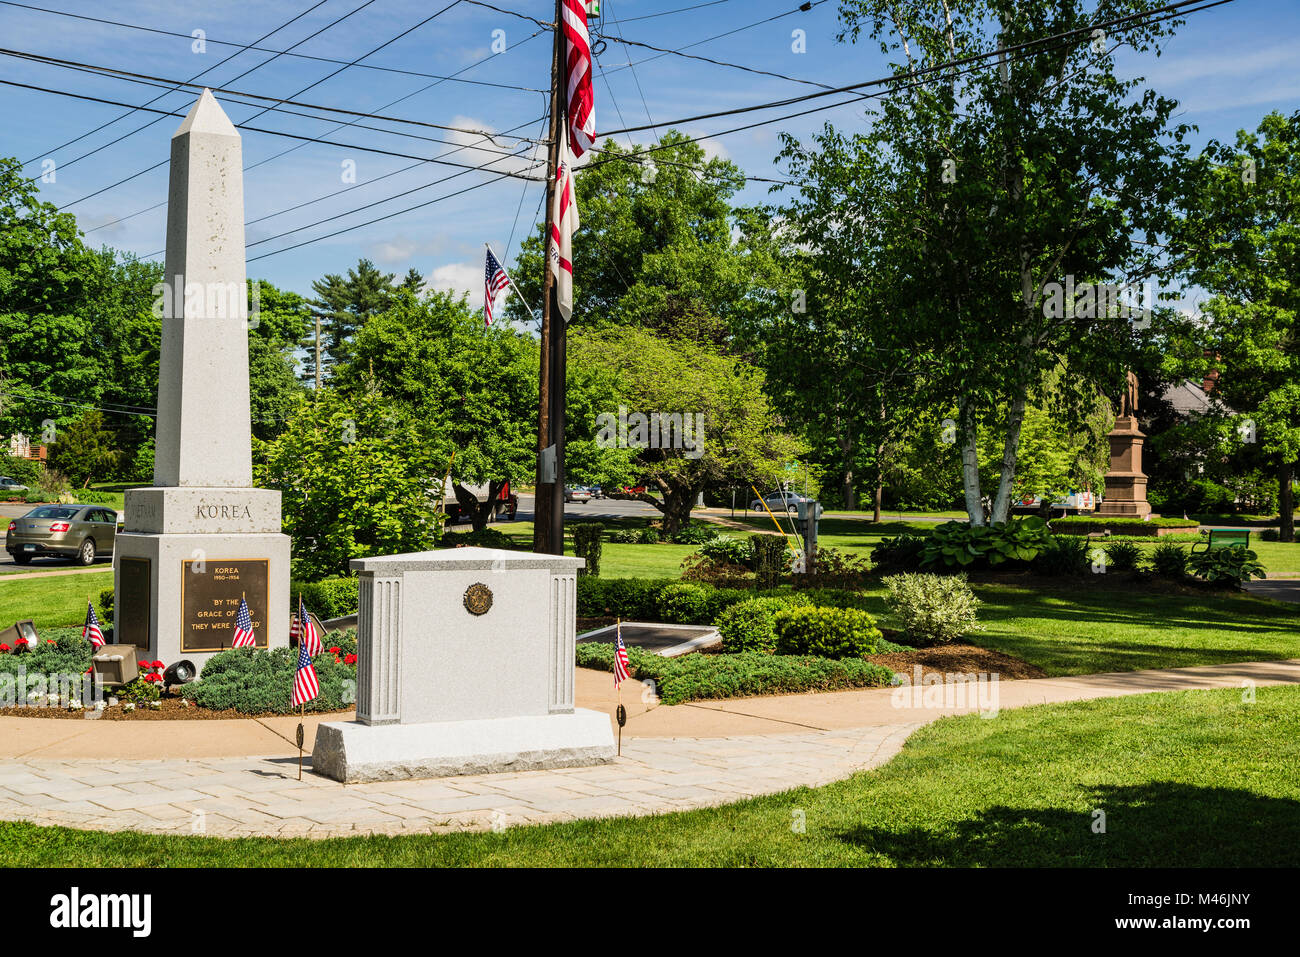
(958,659)
(172,710)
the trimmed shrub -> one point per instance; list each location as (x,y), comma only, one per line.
(1064,555)
(771,557)
(261,681)
(586,545)
(61,655)
(1083,524)
(684,603)
(900,552)
(106,604)
(932,609)
(699,677)
(1123,556)
(648,536)
(826,632)
(1230,566)
(327,598)
(1270,535)
(632,599)
(750,625)
(1169,560)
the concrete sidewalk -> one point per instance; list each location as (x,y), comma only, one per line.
(185,777)
(772,714)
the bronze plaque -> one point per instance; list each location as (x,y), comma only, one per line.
(478,599)
(210,593)
(134,602)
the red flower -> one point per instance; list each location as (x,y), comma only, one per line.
(144,664)
(157,664)
(5,648)
(349,659)
(336,651)
(153,677)
(49,641)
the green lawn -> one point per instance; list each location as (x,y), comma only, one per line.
(53,600)
(1188,779)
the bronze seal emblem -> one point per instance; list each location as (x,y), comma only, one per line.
(478,599)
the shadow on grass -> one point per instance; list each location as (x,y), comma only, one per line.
(1158,824)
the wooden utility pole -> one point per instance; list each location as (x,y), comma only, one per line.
(316,395)
(545,493)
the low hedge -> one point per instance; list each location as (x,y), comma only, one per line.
(261,681)
(632,599)
(750,625)
(677,602)
(1083,524)
(327,598)
(699,677)
(826,632)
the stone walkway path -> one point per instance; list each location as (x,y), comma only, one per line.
(682,757)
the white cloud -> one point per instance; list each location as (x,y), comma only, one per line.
(458,278)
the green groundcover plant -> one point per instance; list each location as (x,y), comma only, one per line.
(1232,565)
(960,544)
(697,677)
(261,681)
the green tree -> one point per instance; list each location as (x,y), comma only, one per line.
(45,270)
(343,303)
(984,188)
(84,450)
(278,321)
(355,476)
(472,388)
(740,443)
(660,245)
(1238,238)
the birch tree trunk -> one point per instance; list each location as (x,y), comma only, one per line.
(970,462)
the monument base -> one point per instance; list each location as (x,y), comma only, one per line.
(352,752)
(157,576)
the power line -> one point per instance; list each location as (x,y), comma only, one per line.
(693,56)
(155,99)
(195,77)
(298,93)
(471,66)
(253,46)
(665,13)
(242,126)
(146,79)
(927,71)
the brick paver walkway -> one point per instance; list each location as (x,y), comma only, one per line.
(262,796)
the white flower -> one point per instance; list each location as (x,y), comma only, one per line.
(129,706)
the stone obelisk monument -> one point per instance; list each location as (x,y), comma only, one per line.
(202,537)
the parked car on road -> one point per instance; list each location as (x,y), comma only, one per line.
(780,502)
(76,532)
(576,494)
(9,484)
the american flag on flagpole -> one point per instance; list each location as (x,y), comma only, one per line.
(243,637)
(92,632)
(307,634)
(494,280)
(564,223)
(581,104)
(621,665)
(306,686)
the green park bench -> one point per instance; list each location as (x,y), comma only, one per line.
(1224,538)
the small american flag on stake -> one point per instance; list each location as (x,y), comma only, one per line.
(306,686)
(621,664)
(92,632)
(307,634)
(494,280)
(243,637)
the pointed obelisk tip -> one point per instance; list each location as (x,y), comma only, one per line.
(206,116)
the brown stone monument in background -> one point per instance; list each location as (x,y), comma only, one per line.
(1126,483)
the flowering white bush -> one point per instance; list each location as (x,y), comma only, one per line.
(932,609)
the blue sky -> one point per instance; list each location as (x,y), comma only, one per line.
(1227,66)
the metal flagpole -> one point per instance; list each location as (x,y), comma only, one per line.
(531,310)
(542,497)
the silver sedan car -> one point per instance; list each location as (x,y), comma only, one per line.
(76,532)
